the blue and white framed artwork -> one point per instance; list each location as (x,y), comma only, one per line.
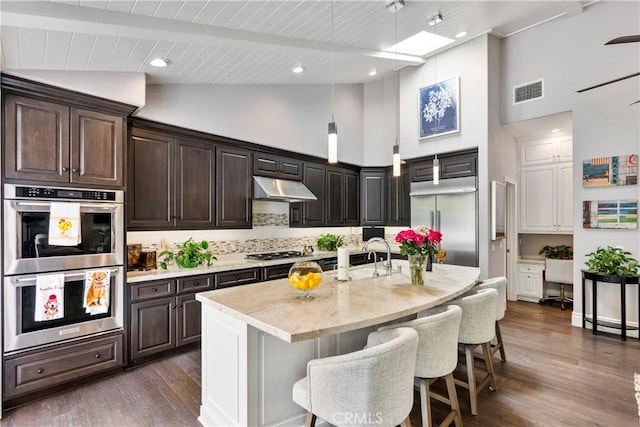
(440,108)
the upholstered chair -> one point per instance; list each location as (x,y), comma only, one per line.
(373,386)
(477,328)
(437,358)
(500,285)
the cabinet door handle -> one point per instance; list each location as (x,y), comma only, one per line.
(65,169)
(98,356)
(74,170)
(154,289)
(39,371)
(196,283)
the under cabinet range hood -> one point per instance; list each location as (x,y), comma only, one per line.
(282,190)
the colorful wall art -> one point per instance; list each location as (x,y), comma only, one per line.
(607,171)
(439,107)
(621,214)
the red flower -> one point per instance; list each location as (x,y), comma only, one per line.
(435,236)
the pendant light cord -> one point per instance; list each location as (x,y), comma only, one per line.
(332,60)
(398,81)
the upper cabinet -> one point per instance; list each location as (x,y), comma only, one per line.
(313,213)
(276,166)
(452,165)
(171,182)
(55,141)
(343,202)
(373,192)
(550,150)
(233,190)
(546,174)
(398,200)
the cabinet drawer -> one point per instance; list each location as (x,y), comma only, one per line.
(237,277)
(36,371)
(195,283)
(529,268)
(277,271)
(147,290)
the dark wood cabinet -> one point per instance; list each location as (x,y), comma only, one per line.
(373,196)
(165,315)
(54,143)
(274,272)
(39,370)
(171,182)
(452,165)
(313,213)
(342,197)
(358,259)
(276,166)
(398,200)
(233,190)
(352,198)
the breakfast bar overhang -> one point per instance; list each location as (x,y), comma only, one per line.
(257,339)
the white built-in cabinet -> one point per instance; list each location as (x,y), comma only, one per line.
(546,186)
(530,282)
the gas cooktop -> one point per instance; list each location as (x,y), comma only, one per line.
(275,255)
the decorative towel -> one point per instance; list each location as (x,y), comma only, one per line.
(49,297)
(97,289)
(64,224)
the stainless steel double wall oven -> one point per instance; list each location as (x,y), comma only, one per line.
(27,253)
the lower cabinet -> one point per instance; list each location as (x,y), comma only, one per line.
(43,369)
(237,277)
(274,272)
(530,282)
(165,314)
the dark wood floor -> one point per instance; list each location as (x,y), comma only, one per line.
(556,375)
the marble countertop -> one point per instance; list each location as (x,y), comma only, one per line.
(235,262)
(274,306)
(535,261)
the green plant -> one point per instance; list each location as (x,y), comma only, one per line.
(612,261)
(190,254)
(557,252)
(330,242)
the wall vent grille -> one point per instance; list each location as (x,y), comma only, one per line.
(528,92)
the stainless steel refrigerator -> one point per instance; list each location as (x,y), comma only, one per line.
(450,207)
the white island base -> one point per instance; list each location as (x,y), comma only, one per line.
(257,339)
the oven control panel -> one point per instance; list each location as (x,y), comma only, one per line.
(64,193)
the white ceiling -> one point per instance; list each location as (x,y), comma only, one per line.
(245,42)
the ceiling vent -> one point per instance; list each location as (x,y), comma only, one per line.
(528,92)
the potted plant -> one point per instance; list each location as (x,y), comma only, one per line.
(330,242)
(557,252)
(612,261)
(189,254)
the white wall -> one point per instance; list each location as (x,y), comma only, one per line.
(124,87)
(469,61)
(291,117)
(501,154)
(569,54)
(380,103)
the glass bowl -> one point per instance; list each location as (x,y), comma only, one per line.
(305,276)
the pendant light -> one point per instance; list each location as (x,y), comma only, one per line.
(333,129)
(436,163)
(396,147)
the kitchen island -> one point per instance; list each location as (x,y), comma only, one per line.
(257,339)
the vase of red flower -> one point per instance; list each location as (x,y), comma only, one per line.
(420,244)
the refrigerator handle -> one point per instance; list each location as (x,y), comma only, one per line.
(431,223)
(437,220)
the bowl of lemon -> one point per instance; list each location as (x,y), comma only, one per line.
(305,276)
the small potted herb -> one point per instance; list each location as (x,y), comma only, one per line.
(189,254)
(612,261)
(330,242)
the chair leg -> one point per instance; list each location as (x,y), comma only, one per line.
(489,363)
(503,355)
(453,397)
(471,379)
(425,402)
(310,421)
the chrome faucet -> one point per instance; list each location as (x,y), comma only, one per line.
(375,262)
(387,265)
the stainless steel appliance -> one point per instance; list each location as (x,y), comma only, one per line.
(21,331)
(267,256)
(27,253)
(450,207)
(26,224)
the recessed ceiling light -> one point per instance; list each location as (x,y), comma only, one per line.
(555,130)
(420,44)
(461,34)
(436,19)
(298,69)
(159,62)
(373,72)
